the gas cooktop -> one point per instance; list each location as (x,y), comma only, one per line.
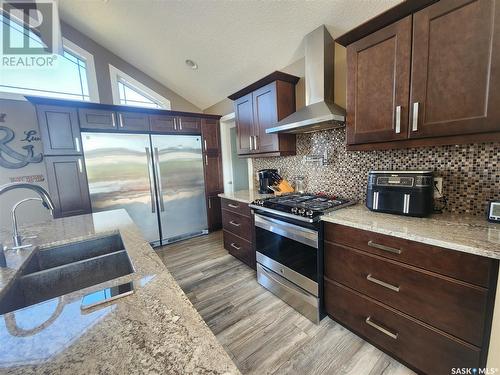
(303,207)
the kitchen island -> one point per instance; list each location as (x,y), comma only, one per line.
(154,330)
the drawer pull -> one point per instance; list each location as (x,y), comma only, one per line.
(382,283)
(369,321)
(234,223)
(235,247)
(383,247)
(233,205)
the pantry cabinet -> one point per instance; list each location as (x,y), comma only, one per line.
(259,107)
(431,77)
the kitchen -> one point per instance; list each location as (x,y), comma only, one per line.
(161,266)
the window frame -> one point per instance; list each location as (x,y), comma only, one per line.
(116,75)
(91,76)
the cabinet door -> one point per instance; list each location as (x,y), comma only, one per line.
(59,130)
(189,125)
(243,109)
(213,174)
(214,213)
(378,79)
(68,186)
(265,114)
(163,123)
(210,132)
(455,85)
(132,121)
(97,119)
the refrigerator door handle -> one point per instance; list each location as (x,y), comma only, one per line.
(158,180)
(151,183)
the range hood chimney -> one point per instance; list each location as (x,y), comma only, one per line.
(320,112)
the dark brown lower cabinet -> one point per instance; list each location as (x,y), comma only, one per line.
(238,225)
(214,214)
(68,186)
(425,313)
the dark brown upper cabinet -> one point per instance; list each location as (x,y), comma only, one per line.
(210,133)
(162,123)
(97,119)
(455,83)
(175,124)
(259,107)
(189,125)
(133,121)
(68,186)
(59,130)
(213,174)
(378,85)
(432,77)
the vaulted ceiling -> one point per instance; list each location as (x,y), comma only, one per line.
(233,42)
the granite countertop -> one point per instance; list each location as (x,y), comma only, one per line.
(245,196)
(469,234)
(154,330)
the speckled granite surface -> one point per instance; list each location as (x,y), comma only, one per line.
(155,330)
(470,234)
(245,196)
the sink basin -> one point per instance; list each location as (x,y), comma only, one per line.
(72,252)
(49,280)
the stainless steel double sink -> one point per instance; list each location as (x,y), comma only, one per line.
(59,270)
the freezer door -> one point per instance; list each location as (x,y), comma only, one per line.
(181,191)
(120,175)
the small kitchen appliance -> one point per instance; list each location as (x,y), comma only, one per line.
(494,212)
(408,193)
(267,177)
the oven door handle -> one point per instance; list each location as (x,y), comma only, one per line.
(306,236)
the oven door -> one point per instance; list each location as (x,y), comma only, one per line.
(289,250)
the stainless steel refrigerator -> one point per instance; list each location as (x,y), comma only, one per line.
(158,179)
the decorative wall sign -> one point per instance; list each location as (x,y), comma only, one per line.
(22,160)
(31,136)
(29,179)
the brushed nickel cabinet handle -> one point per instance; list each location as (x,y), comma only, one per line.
(384,248)
(251,143)
(77,144)
(206,159)
(233,205)
(235,223)
(113,120)
(180,124)
(370,322)
(256,142)
(398,119)
(80,165)
(414,126)
(235,247)
(205,143)
(370,278)
(120,118)
(209,204)
(175,123)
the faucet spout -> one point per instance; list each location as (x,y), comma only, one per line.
(44,195)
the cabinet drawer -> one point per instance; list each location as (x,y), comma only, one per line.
(462,266)
(97,119)
(454,307)
(239,248)
(133,121)
(237,224)
(235,206)
(418,345)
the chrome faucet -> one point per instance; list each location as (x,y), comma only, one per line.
(44,198)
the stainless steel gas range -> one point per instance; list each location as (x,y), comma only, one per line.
(288,240)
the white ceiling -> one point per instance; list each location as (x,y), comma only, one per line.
(234,43)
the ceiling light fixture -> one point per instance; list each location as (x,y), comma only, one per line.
(191,64)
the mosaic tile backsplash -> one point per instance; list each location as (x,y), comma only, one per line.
(471,173)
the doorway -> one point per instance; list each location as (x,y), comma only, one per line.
(236,170)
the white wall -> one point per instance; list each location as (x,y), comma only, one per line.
(20,117)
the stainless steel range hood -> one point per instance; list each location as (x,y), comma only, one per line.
(320,112)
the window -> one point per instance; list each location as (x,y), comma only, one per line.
(72,77)
(128,91)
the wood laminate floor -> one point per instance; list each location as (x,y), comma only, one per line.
(261,333)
